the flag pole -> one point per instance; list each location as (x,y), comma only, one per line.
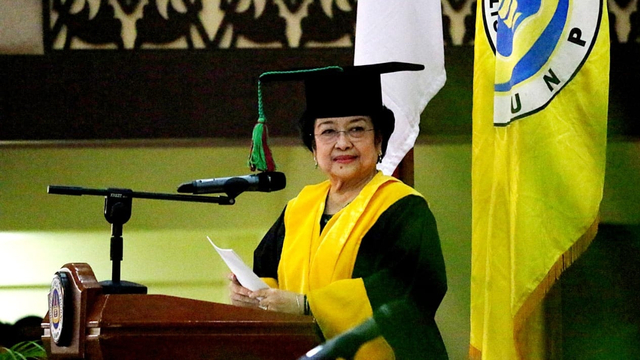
(405,169)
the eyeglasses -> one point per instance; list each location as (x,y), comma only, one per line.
(331,135)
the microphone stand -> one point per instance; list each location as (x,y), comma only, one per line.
(117,211)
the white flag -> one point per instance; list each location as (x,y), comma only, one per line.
(407,31)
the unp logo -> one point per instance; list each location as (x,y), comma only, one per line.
(539,45)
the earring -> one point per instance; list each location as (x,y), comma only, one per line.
(380,157)
(315,161)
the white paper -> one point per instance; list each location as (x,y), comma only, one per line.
(246,277)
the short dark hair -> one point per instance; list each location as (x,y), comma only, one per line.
(383,122)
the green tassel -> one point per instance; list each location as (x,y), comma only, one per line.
(260,157)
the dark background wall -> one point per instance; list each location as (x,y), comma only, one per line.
(208,94)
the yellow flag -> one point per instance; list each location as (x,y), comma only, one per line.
(540,102)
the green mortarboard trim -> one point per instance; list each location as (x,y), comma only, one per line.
(260,157)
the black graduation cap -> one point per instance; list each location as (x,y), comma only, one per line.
(335,91)
(331,91)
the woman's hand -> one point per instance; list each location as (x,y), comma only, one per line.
(279,300)
(239,294)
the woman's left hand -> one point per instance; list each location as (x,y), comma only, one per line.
(239,294)
(279,300)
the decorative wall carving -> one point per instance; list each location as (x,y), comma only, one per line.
(206,24)
(215,24)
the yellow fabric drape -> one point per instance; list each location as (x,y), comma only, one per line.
(537,176)
(321,264)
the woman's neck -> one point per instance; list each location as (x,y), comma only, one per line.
(341,193)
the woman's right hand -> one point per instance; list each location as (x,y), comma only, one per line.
(239,294)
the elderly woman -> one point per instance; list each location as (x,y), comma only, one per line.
(359,240)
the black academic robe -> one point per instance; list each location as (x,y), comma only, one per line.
(399,258)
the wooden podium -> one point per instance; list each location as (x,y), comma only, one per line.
(86,323)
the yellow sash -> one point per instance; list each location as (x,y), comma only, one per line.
(321,264)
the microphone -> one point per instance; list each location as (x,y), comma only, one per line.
(232,186)
(411,334)
(347,344)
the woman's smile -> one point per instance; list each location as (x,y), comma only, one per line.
(344,159)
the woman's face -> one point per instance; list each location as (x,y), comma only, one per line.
(346,148)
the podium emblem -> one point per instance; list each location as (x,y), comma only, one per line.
(59,313)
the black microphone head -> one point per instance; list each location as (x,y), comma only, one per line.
(186,187)
(271,181)
(404,309)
